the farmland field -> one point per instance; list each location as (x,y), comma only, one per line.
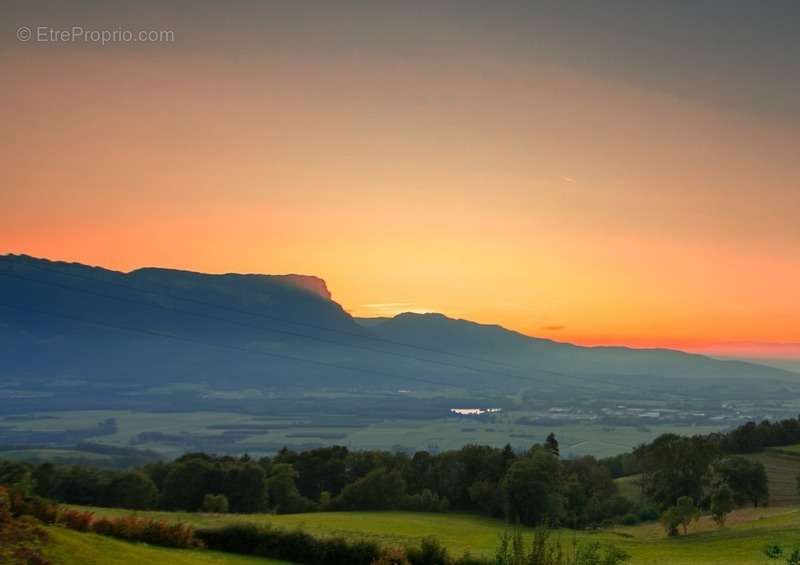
(174,433)
(782,472)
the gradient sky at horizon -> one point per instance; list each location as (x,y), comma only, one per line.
(619,172)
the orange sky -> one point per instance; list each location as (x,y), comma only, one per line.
(500,186)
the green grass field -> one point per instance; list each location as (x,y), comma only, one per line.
(788,449)
(741,542)
(50,455)
(72,548)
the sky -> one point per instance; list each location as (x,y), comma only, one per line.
(596,172)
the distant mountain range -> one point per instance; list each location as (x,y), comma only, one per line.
(67,322)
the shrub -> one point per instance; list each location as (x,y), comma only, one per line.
(400,556)
(158,532)
(215,503)
(44,510)
(670,521)
(76,520)
(392,556)
(773,551)
(104,527)
(36,506)
(722,504)
(425,501)
(296,546)
(543,550)
(630,519)
(21,538)
(682,514)
(790,556)
(430,552)
(648,513)
(595,554)
(132,528)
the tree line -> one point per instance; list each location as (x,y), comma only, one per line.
(747,438)
(532,486)
(23,540)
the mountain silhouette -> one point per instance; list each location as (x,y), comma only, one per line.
(67,322)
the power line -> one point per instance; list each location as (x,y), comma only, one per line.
(294,334)
(154,333)
(582,381)
(244,324)
(341,331)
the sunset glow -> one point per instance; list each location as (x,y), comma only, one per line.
(581,204)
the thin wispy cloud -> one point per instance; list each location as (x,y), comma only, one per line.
(392,308)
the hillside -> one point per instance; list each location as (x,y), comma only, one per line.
(740,543)
(495,342)
(67,547)
(783,469)
(150,324)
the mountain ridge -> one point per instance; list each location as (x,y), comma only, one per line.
(277,331)
(603,349)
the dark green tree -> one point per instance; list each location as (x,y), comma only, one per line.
(488,496)
(722,504)
(682,514)
(551,444)
(674,466)
(133,490)
(532,489)
(282,491)
(215,503)
(186,484)
(747,479)
(381,489)
(245,486)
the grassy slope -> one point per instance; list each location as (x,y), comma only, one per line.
(741,542)
(72,548)
(783,468)
(782,465)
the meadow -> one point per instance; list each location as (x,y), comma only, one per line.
(67,547)
(740,542)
